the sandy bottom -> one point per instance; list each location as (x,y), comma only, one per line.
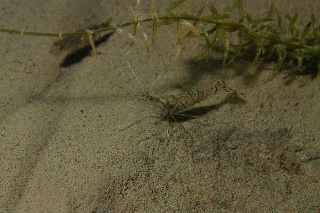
(80,138)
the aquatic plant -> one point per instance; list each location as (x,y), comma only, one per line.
(298,50)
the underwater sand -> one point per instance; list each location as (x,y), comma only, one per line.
(80,139)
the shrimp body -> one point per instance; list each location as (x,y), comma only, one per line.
(177,103)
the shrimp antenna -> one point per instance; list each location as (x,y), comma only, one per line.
(134,74)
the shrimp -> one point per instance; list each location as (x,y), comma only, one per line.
(177,103)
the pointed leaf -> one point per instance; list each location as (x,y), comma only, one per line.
(154,32)
(166,22)
(271,10)
(209,32)
(231,8)
(299,60)
(145,39)
(216,37)
(179,30)
(239,46)
(191,28)
(306,30)
(188,6)
(206,36)
(260,51)
(212,8)
(226,47)
(173,6)
(214,17)
(281,52)
(292,25)
(248,17)
(260,20)
(202,6)
(242,13)
(314,26)
(279,18)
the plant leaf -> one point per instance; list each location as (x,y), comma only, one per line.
(260,20)
(306,30)
(202,6)
(214,17)
(281,52)
(260,51)
(242,13)
(239,46)
(292,25)
(211,8)
(314,26)
(226,46)
(187,6)
(173,6)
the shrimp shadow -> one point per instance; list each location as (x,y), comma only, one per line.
(196,112)
(79,55)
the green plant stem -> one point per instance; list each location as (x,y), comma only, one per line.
(224,24)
